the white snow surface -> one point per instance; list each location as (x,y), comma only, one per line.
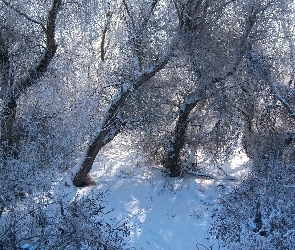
(162,212)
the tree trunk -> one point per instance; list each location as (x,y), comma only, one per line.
(9,104)
(80,179)
(110,128)
(172,160)
(8,134)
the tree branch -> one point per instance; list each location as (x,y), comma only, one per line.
(50,50)
(153,69)
(282,100)
(128,12)
(104,32)
(24,15)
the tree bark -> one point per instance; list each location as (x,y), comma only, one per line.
(103,36)
(176,144)
(9,103)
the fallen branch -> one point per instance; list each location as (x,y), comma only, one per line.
(202,174)
(200,244)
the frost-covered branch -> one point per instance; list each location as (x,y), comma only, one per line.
(24,15)
(152,70)
(262,68)
(103,36)
(282,100)
(36,73)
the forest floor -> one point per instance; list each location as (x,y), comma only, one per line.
(162,212)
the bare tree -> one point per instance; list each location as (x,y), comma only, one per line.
(145,68)
(13,87)
(206,81)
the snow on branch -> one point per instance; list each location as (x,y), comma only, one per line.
(282,100)
(259,65)
(8,4)
(152,70)
(196,95)
(50,50)
(202,174)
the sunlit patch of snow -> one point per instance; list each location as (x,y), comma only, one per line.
(239,158)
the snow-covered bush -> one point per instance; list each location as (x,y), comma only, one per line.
(259,214)
(43,222)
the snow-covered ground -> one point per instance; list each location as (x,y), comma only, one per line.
(162,212)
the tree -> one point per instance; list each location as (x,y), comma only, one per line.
(146,66)
(269,132)
(206,93)
(266,104)
(207,80)
(14,83)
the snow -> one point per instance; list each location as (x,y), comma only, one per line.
(289,232)
(162,212)
(27,247)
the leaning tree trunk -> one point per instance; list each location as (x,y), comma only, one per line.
(172,160)
(110,127)
(112,123)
